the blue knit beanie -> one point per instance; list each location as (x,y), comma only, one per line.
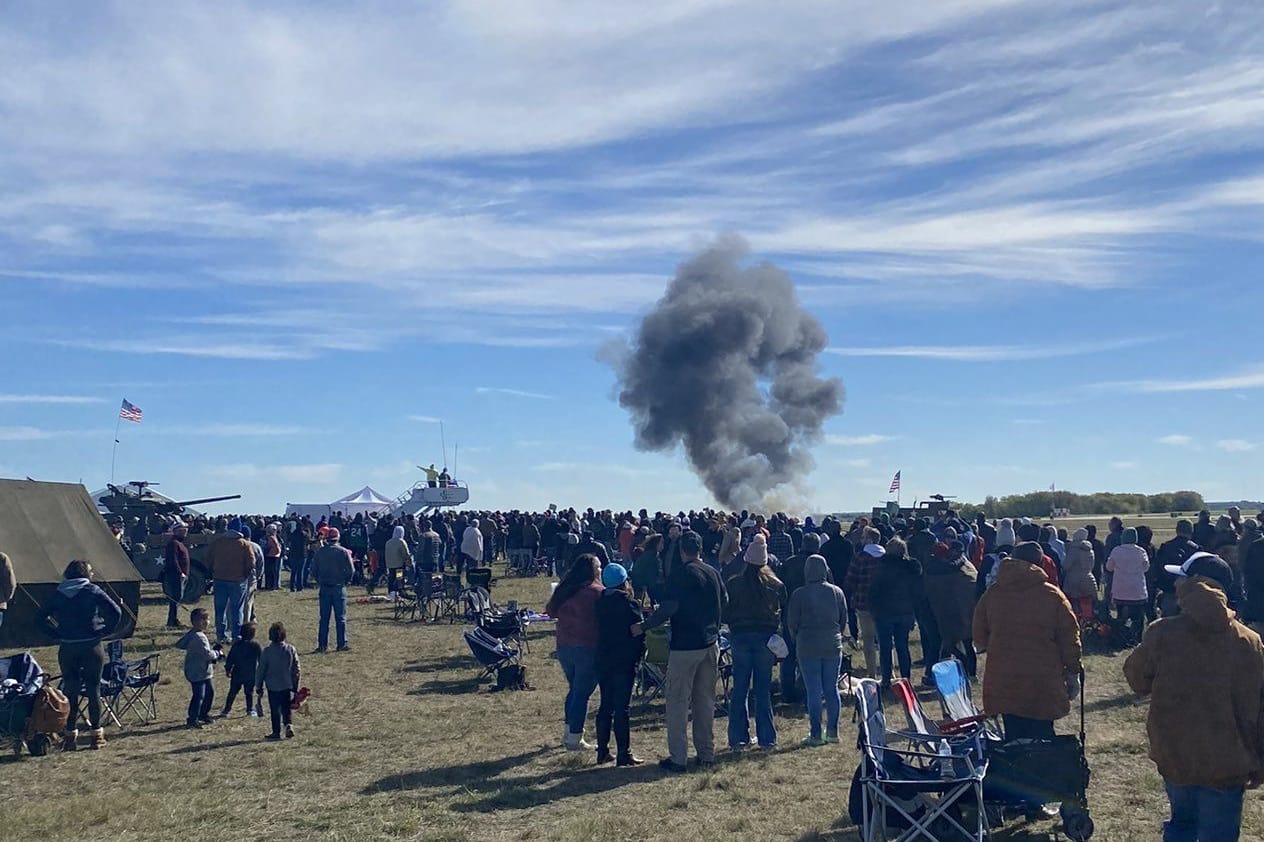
(614,575)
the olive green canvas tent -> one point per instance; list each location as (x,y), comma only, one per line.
(44,526)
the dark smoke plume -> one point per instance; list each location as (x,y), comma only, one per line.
(726,363)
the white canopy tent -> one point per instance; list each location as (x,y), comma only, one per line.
(362,502)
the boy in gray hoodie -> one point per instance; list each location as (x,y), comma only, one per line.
(816,617)
(199,666)
(279,672)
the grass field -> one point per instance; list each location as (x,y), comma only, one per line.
(403,743)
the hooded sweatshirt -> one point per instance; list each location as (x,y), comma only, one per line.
(79,612)
(1032,640)
(1005,536)
(950,590)
(1129,563)
(895,587)
(1204,673)
(199,657)
(817,613)
(1077,569)
(397,554)
(472,542)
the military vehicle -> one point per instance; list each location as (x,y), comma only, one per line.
(135,500)
(929,508)
(145,515)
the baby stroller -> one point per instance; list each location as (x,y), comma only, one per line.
(31,712)
(1023,775)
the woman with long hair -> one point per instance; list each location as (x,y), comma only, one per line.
(753,615)
(79,616)
(574,606)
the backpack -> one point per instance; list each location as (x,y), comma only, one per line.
(511,677)
(49,713)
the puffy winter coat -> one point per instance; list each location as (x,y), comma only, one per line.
(1204,672)
(1032,641)
(951,594)
(1077,570)
(1129,563)
(896,586)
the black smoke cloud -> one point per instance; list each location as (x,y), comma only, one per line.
(726,364)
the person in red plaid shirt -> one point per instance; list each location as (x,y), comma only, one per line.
(859,578)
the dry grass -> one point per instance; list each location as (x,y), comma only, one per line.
(402,743)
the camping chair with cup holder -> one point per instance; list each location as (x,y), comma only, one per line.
(407,604)
(651,675)
(910,791)
(448,601)
(507,626)
(492,655)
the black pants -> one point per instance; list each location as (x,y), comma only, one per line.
(613,712)
(172,607)
(237,683)
(928,630)
(81,665)
(1024,728)
(272,573)
(279,708)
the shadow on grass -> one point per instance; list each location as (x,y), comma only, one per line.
(197,749)
(462,774)
(449,662)
(1125,701)
(842,830)
(449,686)
(114,735)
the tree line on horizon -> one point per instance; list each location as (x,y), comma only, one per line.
(1040,503)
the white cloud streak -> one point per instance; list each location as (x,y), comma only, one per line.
(866,440)
(513,393)
(1251,378)
(49,399)
(1175,440)
(987,353)
(1235,445)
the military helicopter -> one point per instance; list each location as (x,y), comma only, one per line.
(135,500)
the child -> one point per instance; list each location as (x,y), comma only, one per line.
(199,666)
(240,667)
(279,672)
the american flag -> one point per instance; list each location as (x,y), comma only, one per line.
(895,483)
(130,412)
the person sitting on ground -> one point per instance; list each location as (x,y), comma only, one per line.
(1032,640)
(279,672)
(619,653)
(199,668)
(79,616)
(1204,673)
(816,617)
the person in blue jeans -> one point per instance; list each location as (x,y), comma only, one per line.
(1206,744)
(333,569)
(199,668)
(753,614)
(815,618)
(893,597)
(574,607)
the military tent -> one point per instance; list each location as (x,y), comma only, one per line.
(44,526)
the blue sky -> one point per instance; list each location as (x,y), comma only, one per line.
(295,234)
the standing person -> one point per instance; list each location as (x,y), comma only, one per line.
(199,668)
(241,667)
(647,574)
(753,615)
(618,654)
(1127,564)
(893,600)
(398,559)
(471,547)
(333,569)
(79,616)
(1099,555)
(231,561)
(271,559)
(859,582)
(175,569)
(792,574)
(1251,556)
(574,606)
(1204,673)
(8,584)
(1032,641)
(838,553)
(1204,532)
(279,672)
(1078,583)
(297,556)
(1173,553)
(694,602)
(816,617)
(950,590)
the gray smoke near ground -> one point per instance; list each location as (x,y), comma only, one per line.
(726,364)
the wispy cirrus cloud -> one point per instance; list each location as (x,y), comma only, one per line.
(27,433)
(244,350)
(1250,378)
(989,353)
(858,441)
(426,419)
(50,399)
(1175,440)
(513,393)
(315,474)
(1235,445)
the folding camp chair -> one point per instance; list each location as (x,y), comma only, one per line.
(508,626)
(407,604)
(492,655)
(128,686)
(724,675)
(651,676)
(918,722)
(953,686)
(914,791)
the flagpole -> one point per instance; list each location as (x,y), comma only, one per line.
(114,454)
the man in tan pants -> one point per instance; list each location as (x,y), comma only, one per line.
(694,603)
